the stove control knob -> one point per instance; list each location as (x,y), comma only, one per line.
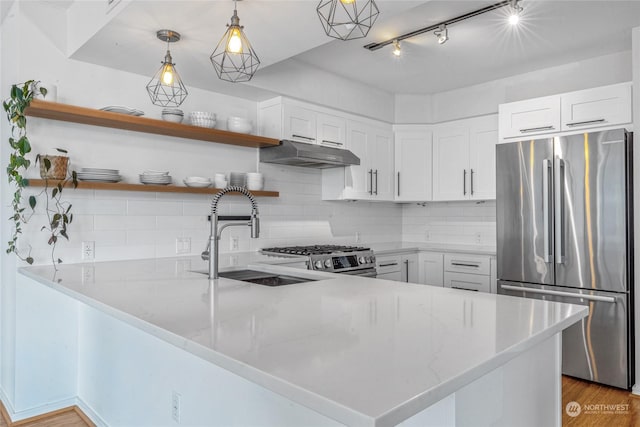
(318,265)
(327,263)
(362,260)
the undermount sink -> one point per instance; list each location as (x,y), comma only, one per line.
(262,278)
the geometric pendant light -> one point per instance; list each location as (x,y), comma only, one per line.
(166,87)
(347,19)
(233,58)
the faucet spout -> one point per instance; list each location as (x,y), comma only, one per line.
(214,235)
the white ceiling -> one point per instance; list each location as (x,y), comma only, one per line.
(480,49)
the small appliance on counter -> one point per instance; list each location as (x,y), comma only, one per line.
(353,260)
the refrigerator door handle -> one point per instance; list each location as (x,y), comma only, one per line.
(546,210)
(559,194)
(559,293)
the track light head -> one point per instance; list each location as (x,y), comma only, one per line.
(397,49)
(442,34)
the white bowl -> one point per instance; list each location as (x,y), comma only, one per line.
(197,179)
(196,184)
(175,118)
(239,128)
(203,115)
(221,184)
(204,123)
(255,186)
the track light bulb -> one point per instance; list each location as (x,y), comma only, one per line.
(347,1)
(516,10)
(397,50)
(442,34)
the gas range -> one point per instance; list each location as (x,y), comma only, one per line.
(354,260)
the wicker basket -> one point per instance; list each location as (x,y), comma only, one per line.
(58,169)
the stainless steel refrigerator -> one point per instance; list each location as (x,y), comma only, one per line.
(565,233)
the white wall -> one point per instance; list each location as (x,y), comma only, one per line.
(468,223)
(484,98)
(298,80)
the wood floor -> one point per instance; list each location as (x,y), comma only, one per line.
(69,417)
(599,406)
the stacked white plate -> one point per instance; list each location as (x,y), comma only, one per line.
(123,110)
(172,115)
(239,124)
(99,175)
(255,181)
(237,179)
(197,181)
(155,177)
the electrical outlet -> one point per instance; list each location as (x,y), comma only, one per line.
(88,274)
(357,237)
(427,235)
(478,237)
(183,245)
(175,406)
(88,250)
(235,243)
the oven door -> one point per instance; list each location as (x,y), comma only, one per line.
(364,272)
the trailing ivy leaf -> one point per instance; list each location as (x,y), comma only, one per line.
(56,217)
(62,150)
(54,192)
(44,91)
(47,163)
(32,202)
(29,260)
(63,233)
(59,262)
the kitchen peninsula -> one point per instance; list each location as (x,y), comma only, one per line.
(151,342)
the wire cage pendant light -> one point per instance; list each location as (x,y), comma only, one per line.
(166,88)
(347,19)
(234,58)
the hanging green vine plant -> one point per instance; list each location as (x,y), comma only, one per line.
(58,212)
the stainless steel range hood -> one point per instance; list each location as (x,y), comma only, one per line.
(307,155)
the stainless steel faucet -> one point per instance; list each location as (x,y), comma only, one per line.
(214,237)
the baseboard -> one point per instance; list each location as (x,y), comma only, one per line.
(90,414)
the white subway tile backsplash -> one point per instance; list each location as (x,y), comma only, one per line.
(153,207)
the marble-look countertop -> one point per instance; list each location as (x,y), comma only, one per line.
(361,351)
(395,247)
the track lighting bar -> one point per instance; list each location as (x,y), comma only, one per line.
(376,46)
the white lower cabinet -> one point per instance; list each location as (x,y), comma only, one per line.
(468,272)
(431,268)
(401,267)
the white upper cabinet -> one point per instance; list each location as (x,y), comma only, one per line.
(450,162)
(601,106)
(483,137)
(299,124)
(464,165)
(413,164)
(331,130)
(530,117)
(373,178)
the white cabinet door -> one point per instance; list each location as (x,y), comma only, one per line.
(359,179)
(601,106)
(482,158)
(381,157)
(530,117)
(299,124)
(396,276)
(450,163)
(331,130)
(431,268)
(413,165)
(409,265)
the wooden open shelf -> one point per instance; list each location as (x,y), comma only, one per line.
(121,186)
(89,116)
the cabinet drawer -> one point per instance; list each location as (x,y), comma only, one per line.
(390,264)
(396,276)
(462,263)
(531,117)
(601,106)
(471,282)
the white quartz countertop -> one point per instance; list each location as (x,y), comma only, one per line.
(361,351)
(395,247)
